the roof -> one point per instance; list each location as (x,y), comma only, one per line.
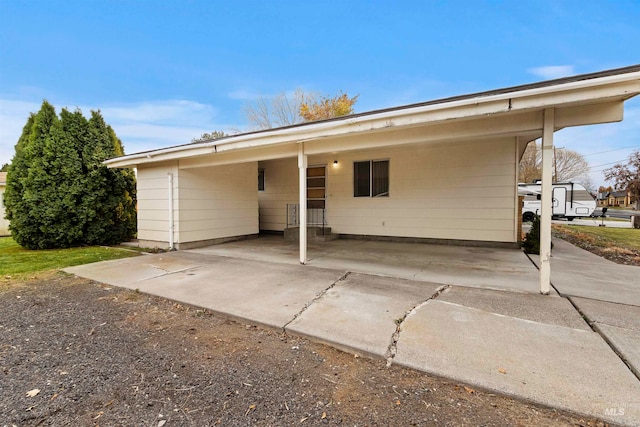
(619,193)
(378,119)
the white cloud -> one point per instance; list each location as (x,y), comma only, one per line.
(552,71)
(246,95)
(167,112)
(13,116)
(141,126)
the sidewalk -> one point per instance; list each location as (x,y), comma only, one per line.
(606,294)
(512,341)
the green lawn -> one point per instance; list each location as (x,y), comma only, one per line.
(604,236)
(15,260)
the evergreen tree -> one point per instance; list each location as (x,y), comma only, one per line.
(59,194)
(110,201)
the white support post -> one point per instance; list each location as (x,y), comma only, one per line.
(546,202)
(302,206)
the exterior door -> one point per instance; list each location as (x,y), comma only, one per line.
(559,201)
(316,194)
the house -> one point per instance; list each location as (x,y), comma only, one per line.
(398,173)
(617,198)
(602,199)
(621,198)
(4,224)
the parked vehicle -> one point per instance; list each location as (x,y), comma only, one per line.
(570,200)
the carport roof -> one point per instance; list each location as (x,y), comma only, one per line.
(586,89)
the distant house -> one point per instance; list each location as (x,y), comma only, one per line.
(4,224)
(618,198)
(602,198)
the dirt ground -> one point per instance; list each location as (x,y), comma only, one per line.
(74,352)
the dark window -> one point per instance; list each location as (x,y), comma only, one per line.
(371,178)
(260,179)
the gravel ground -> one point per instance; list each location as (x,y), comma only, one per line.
(74,352)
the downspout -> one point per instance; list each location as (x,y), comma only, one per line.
(171,221)
(302,171)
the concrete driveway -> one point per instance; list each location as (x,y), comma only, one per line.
(473,315)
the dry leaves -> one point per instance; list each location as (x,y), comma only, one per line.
(33,393)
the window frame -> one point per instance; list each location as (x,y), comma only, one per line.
(261,174)
(356,193)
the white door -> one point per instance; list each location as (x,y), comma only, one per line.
(559,201)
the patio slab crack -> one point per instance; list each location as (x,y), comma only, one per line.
(393,346)
(316,298)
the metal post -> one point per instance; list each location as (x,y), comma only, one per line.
(546,202)
(302,167)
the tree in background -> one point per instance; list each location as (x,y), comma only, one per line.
(322,108)
(281,110)
(5,167)
(208,136)
(568,165)
(59,194)
(626,176)
(299,107)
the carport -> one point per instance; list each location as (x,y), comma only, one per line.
(468,145)
(478,267)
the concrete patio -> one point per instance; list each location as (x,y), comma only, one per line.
(473,315)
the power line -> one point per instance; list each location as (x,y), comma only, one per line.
(610,151)
(605,164)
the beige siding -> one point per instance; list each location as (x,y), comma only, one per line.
(153,202)
(4,224)
(280,188)
(218,202)
(462,191)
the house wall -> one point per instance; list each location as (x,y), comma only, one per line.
(210,204)
(4,224)
(460,191)
(153,204)
(217,202)
(280,188)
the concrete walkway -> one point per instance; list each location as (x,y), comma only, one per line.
(596,222)
(606,294)
(469,314)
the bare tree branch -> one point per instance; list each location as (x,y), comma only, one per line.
(626,176)
(568,166)
(298,107)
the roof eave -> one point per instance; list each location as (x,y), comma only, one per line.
(622,86)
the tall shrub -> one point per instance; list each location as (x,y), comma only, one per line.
(58,192)
(531,243)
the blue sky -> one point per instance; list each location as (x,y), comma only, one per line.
(163,72)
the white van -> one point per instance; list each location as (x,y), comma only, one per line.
(570,200)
